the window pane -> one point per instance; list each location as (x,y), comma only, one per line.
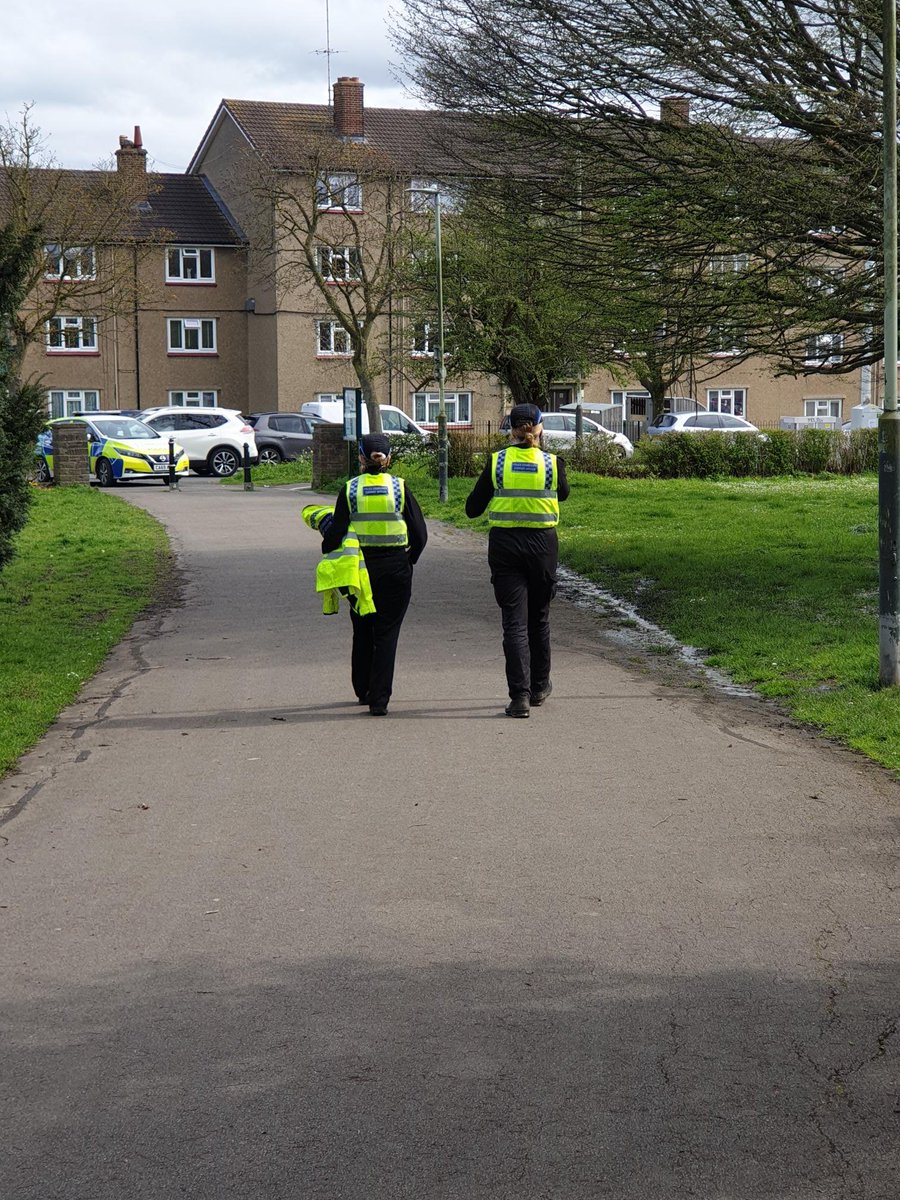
(206,264)
(175,340)
(174,258)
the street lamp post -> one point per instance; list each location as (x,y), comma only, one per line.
(440,369)
(889,422)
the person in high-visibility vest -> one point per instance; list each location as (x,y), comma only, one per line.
(381,511)
(520,489)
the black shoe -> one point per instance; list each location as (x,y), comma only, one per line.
(519,706)
(540,695)
(378,710)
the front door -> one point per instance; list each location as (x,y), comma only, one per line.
(558,396)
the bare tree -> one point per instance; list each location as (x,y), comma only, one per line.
(331,236)
(62,234)
(766,146)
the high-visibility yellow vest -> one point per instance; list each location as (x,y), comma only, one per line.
(343,571)
(376,510)
(525,482)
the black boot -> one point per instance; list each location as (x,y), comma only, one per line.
(519,705)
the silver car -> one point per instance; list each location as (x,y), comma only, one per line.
(699,422)
(559,432)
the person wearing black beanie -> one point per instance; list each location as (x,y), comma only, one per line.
(383,513)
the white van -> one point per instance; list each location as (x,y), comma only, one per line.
(393,420)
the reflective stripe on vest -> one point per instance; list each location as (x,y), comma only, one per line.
(345,568)
(525,480)
(376,510)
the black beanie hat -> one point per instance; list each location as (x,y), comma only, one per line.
(375,443)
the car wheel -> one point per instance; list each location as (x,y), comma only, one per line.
(105,476)
(270,456)
(44,474)
(619,451)
(223,461)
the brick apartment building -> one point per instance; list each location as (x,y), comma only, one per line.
(213,325)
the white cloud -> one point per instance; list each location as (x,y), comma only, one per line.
(165,66)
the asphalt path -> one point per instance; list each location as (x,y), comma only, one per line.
(257,943)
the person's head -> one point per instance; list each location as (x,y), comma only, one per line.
(525,424)
(375,452)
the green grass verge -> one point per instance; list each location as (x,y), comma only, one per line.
(87,565)
(298,471)
(775,581)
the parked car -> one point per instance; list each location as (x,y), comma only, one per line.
(559,432)
(120,448)
(701,422)
(282,436)
(393,420)
(213,437)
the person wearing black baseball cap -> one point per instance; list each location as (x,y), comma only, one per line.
(520,488)
(387,520)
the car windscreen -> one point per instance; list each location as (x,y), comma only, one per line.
(131,431)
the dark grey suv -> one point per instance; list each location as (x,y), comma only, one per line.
(281,436)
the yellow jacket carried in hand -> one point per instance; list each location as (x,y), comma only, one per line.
(344,570)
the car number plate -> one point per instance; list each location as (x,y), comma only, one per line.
(160,466)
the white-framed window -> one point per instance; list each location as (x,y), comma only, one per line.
(72,335)
(72,262)
(194,399)
(726,340)
(457,405)
(66,403)
(422,193)
(727,400)
(192,335)
(424,340)
(332,339)
(823,406)
(723,264)
(339,190)
(339,264)
(190,264)
(824,350)
(633,403)
(826,280)
(329,397)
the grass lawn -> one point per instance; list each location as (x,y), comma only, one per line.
(87,565)
(775,580)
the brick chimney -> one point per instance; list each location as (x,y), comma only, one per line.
(675,110)
(348,108)
(131,157)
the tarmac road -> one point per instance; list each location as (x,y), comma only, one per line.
(259,944)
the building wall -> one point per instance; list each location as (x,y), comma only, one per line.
(132,366)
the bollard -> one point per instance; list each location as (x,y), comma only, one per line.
(248,482)
(172,481)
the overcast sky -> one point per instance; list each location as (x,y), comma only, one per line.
(97,68)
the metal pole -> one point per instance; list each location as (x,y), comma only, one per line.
(889,422)
(443,489)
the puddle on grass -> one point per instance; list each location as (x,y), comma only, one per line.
(637,633)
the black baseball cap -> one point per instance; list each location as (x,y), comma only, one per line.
(525,414)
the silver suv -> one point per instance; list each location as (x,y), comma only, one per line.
(214,438)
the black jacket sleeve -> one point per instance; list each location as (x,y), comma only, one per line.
(415,525)
(480,496)
(340,523)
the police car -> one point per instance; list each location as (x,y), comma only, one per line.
(120,448)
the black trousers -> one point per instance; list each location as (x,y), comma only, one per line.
(375,636)
(523,573)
